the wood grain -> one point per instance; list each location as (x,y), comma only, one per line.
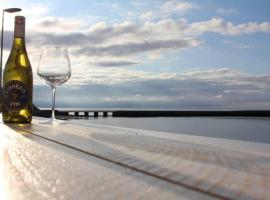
(93,161)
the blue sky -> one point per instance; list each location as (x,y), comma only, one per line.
(208,54)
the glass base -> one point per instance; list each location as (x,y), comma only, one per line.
(53,121)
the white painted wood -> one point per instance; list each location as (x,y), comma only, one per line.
(34,168)
(130,164)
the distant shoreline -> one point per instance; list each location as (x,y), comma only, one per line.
(153,113)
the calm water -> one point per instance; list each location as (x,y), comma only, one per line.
(249,129)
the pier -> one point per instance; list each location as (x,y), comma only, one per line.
(151,113)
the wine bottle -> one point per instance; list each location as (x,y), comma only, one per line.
(18,79)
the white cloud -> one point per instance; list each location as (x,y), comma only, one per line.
(131,48)
(127,43)
(215,77)
(197,89)
(35,10)
(113,63)
(147,16)
(167,9)
(219,96)
(59,24)
(122,40)
(103,46)
(219,25)
(102,36)
(33,13)
(175,6)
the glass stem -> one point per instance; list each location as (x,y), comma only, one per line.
(53,103)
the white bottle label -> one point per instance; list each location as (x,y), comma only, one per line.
(19,30)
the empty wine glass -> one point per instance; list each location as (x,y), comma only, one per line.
(54,68)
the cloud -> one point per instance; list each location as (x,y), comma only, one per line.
(118,39)
(117,63)
(102,51)
(35,10)
(98,33)
(125,43)
(131,48)
(59,24)
(119,44)
(70,39)
(102,36)
(147,16)
(224,76)
(219,25)
(197,89)
(167,9)
(175,6)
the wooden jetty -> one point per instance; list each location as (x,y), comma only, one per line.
(76,161)
(153,113)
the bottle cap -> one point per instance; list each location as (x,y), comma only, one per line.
(19,20)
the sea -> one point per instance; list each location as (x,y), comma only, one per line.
(252,129)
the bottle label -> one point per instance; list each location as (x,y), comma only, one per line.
(16,95)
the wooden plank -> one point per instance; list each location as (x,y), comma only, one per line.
(219,168)
(32,167)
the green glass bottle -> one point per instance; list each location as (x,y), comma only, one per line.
(18,79)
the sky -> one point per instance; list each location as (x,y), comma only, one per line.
(164,54)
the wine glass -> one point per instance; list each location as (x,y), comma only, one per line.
(54,69)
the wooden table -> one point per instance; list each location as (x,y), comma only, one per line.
(76,161)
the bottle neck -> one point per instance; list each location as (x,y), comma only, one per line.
(19,42)
(19,28)
(19,32)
